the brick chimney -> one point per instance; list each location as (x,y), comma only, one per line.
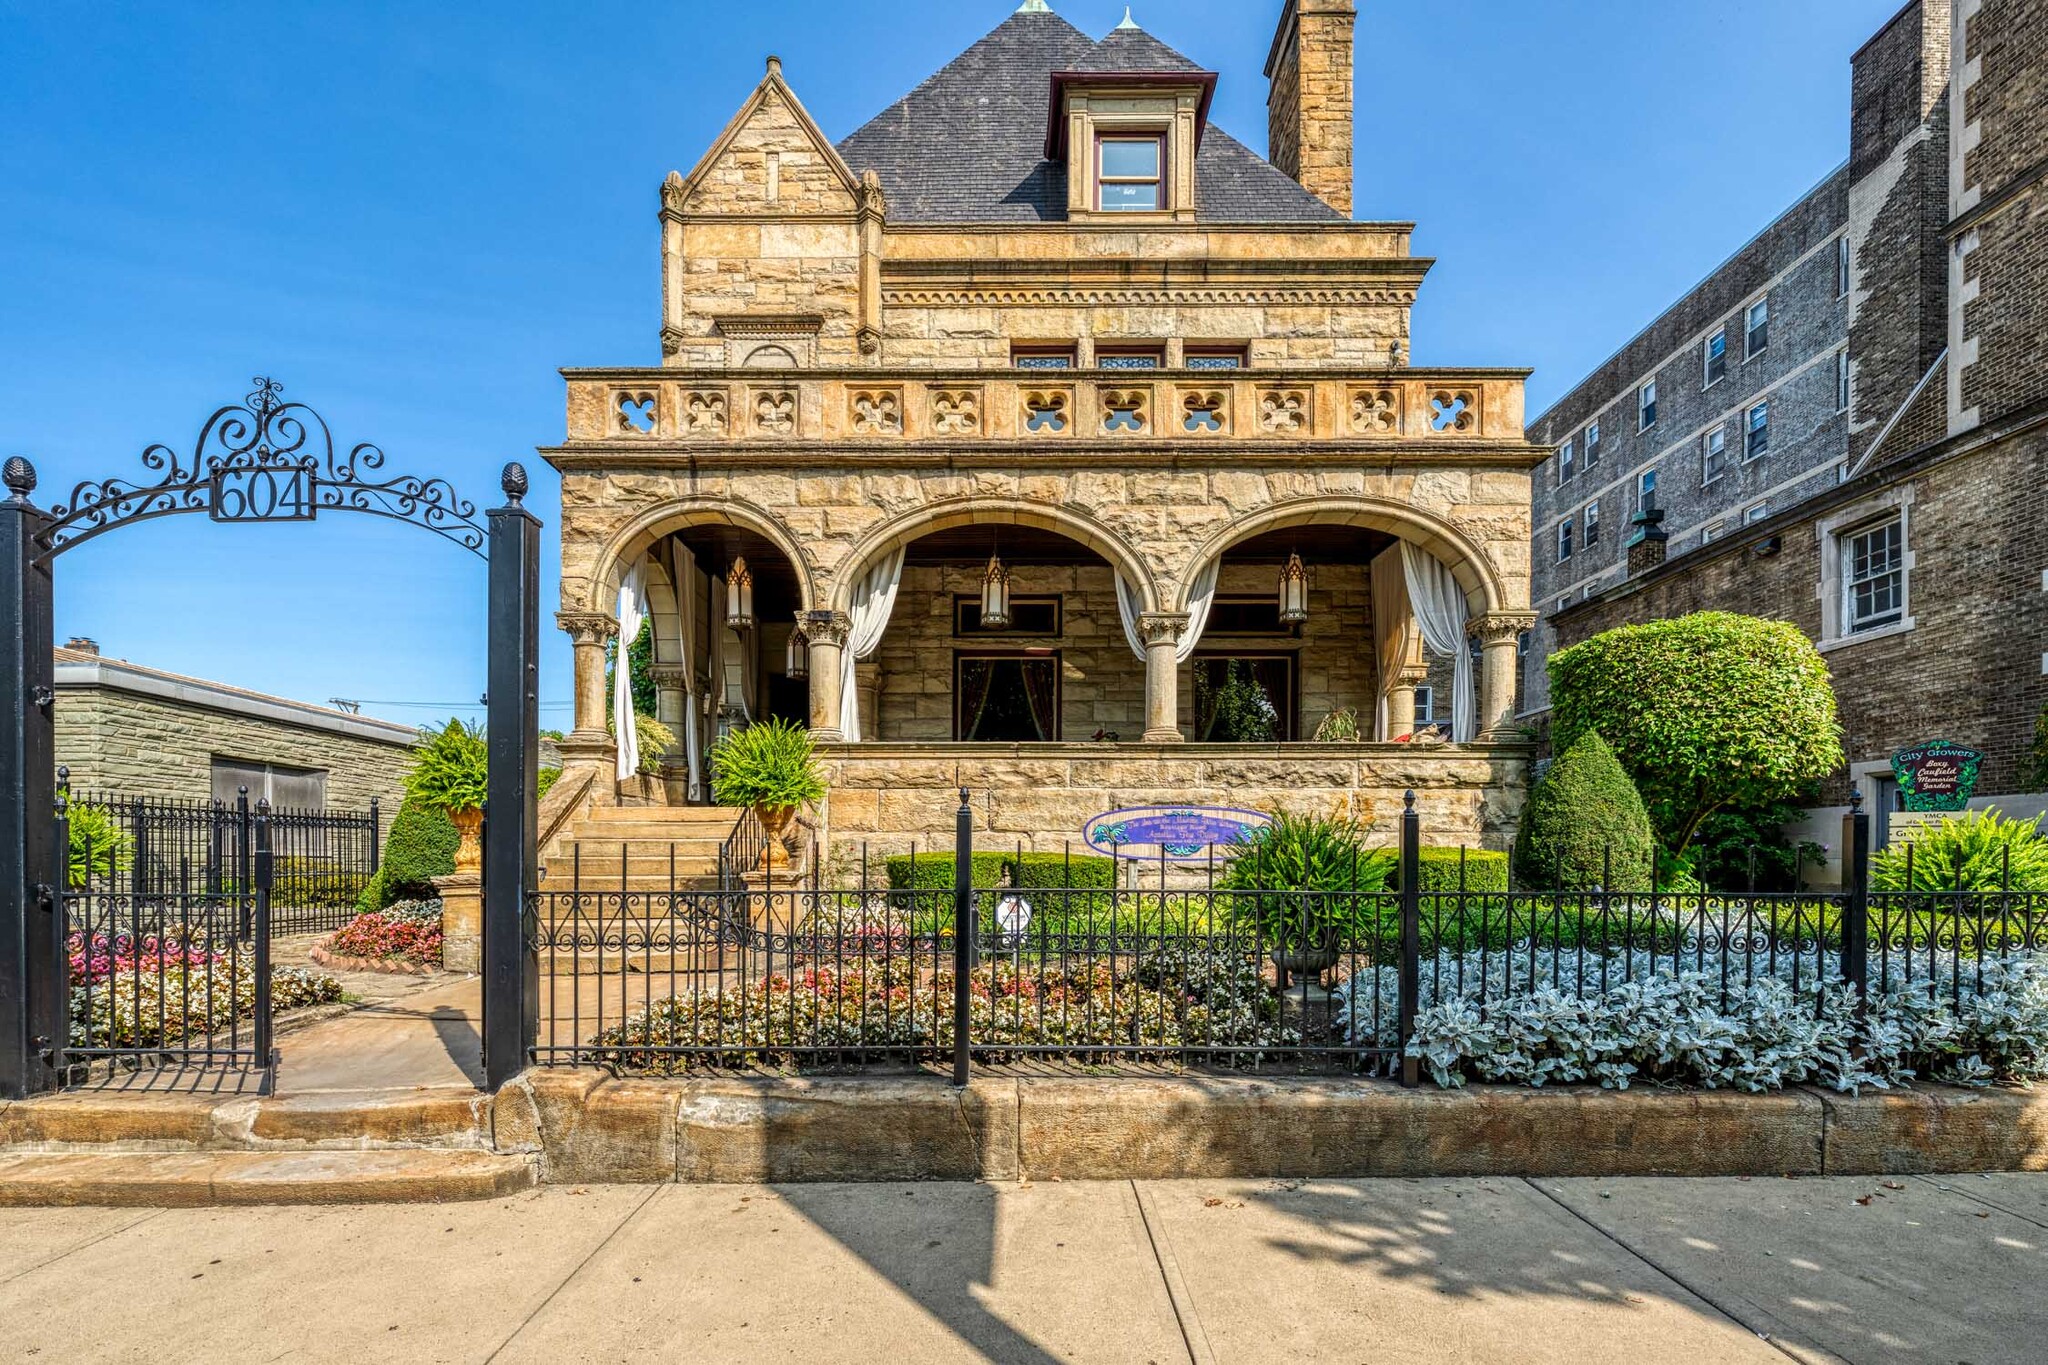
(1308,108)
(1647,546)
(82,645)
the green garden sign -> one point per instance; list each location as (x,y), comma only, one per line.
(1938,775)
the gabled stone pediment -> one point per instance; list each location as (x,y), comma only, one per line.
(771,160)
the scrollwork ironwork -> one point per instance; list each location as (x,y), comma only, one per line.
(263,459)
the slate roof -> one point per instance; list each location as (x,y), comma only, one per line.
(968,145)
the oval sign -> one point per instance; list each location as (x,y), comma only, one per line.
(1175,831)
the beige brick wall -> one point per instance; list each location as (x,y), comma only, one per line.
(144,746)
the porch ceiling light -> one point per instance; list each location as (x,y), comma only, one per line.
(995,595)
(1293,592)
(739,595)
(798,664)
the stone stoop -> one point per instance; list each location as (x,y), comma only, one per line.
(638,848)
(204,1179)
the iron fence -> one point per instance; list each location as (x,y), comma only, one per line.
(183,848)
(1171,965)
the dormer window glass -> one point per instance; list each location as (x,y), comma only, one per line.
(1128,357)
(1130,173)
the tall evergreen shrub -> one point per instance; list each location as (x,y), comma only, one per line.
(1586,825)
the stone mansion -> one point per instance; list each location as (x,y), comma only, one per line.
(1041,438)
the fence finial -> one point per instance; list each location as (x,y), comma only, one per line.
(1408,801)
(1856,803)
(20,477)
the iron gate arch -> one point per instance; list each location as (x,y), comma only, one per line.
(264,459)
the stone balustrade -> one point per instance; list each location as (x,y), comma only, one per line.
(1442,410)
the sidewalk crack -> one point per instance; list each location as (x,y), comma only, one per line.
(1191,1334)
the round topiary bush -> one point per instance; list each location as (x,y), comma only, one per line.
(420,847)
(1586,826)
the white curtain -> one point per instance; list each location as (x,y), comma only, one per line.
(874,597)
(714,655)
(1439,606)
(685,572)
(1393,629)
(632,615)
(1129,605)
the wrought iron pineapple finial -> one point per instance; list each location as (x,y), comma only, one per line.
(513,481)
(20,477)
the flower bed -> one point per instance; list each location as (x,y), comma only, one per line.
(404,937)
(166,995)
(1720,1023)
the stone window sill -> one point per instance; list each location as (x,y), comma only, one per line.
(1865,636)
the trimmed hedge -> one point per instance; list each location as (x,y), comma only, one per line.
(932,890)
(1586,825)
(420,847)
(1438,870)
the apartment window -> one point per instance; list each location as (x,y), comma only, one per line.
(1129,173)
(1042,357)
(1592,524)
(1756,439)
(1753,515)
(1712,532)
(1564,540)
(1841,381)
(1841,267)
(1564,463)
(1129,357)
(1756,328)
(1425,704)
(1646,406)
(1592,443)
(1714,454)
(1717,358)
(1646,490)
(1874,575)
(1563,602)
(1215,357)
(281,785)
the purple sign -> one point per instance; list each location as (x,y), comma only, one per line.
(1175,831)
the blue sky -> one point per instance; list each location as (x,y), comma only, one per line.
(412,214)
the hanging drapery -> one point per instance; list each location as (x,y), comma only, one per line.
(749,642)
(1393,629)
(714,657)
(1129,605)
(632,614)
(874,597)
(685,573)
(1439,606)
(975,677)
(1041,694)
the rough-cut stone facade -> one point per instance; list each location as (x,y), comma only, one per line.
(843,379)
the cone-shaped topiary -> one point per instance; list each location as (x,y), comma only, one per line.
(1586,826)
(420,847)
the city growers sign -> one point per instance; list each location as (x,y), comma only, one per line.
(1937,775)
(1172,831)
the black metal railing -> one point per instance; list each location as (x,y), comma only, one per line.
(1168,964)
(170,847)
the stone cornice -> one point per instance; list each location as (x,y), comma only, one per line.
(1085,295)
(1131,455)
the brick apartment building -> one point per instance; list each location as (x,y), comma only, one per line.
(1846,424)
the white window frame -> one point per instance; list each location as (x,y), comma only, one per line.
(1564,541)
(1842,266)
(1834,533)
(1755,513)
(1646,405)
(1750,450)
(1590,536)
(1841,381)
(1425,704)
(1751,325)
(1646,484)
(1707,376)
(1708,473)
(1589,444)
(1713,531)
(1565,468)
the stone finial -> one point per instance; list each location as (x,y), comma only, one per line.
(1034,7)
(1129,25)
(775,67)
(20,477)
(513,481)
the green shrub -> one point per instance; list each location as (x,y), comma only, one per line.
(1721,851)
(1585,825)
(2034,762)
(1439,870)
(449,768)
(548,778)
(769,763)
(1979,850)
(924,883)
(1706,711)
(420,847)
(99,847)
(1320,854)
(655,739)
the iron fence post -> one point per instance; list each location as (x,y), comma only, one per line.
(963,932)
(33,1010)
(511,962)
(1856,903)
(1411,936)
(264,871)
(376,835)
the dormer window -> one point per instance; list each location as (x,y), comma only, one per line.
(1130,173)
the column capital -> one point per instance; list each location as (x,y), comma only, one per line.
(1162,627)
(587,627)
(674,676)
(1413,675)
(1502,627)
(828,628)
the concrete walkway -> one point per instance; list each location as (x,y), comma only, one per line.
(1695,1271)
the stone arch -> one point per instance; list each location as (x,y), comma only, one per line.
(663,612)
(1468,562)
(639,536)
(942,516)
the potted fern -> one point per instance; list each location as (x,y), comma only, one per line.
(449,771)
(772,767)
(1305,885)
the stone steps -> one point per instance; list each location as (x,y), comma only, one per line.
(200,1179)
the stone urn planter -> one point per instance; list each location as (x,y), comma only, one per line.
(775,823)
(469,854)
(1310,955)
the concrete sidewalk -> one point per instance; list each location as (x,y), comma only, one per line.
(1699,1271)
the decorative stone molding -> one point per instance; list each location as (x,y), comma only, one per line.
(636,412)
(1047,412)
(1453,411)
(674,676)
(829,628)
(875,412)
(774,412)
(1205,412)
(704,412)
(672,341)
(956,412)
(1126,412)
(1502,627)
(1162,627)
(1376,412)
(673,193)
(1285,412)
(1091,296)
(587,627)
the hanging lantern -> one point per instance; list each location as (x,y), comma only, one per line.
(1293,592)
(798,662)
(995,596)
(739,596)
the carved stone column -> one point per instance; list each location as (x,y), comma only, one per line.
(826,631)
(867,685)
(1498,637)
(590,743)
(1401,700)
(671,702)
(1161,632)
